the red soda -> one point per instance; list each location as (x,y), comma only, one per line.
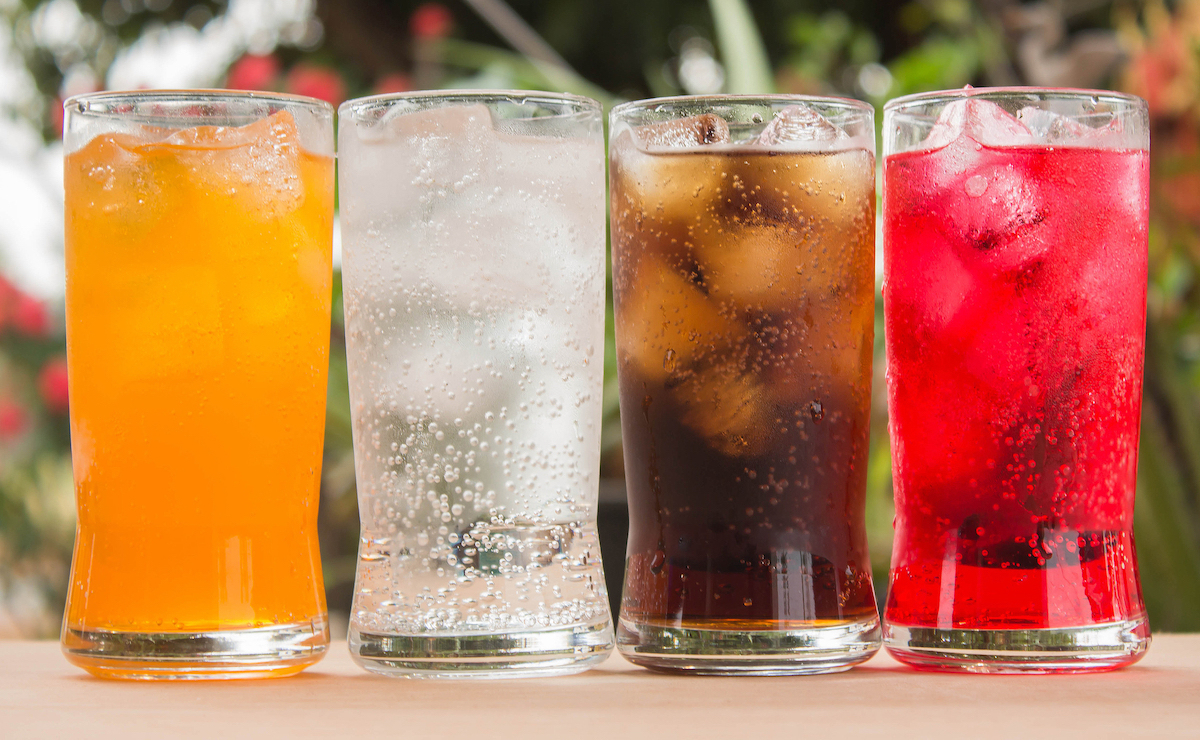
(1014,296)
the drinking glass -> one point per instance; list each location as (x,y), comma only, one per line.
(743,281)
(1015,303)
(473,228)
(198,254)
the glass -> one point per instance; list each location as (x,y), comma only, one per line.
(743,282)
(1015,298)
(199,229)
(473,228)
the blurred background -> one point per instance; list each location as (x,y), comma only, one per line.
(613,51)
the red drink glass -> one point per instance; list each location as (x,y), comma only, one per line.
(1015,304)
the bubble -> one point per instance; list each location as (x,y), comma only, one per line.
(816,411)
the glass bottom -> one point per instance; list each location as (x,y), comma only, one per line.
(1098,647)
(263,652)
(725,650)
(542,652)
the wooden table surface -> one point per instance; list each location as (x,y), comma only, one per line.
(42,696)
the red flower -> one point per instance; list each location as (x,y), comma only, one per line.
(396,82)
(253,72)
(13,419)
(52,384)
(430,21)
(29,316)
(316,82)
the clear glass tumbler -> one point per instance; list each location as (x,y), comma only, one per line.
(743,278)
(1015,299)
(199,231)
(473,237)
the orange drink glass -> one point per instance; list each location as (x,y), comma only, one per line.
(198,255)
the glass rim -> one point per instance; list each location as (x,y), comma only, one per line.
(741,98)
(1042,93)
(82,104)
(354,108)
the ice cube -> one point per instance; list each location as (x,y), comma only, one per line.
(985,199)
(257,166)
(667,324)
(762,267)
(115,181)
(1052,128)
(789,222)
(1049,126)
(407,120)
(729,408)
(683,133)
(676,192)
(456,123)
(799,125)
(997,215)
(981,120)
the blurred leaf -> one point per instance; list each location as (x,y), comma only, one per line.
(938,64)
(743,53)
(522,71)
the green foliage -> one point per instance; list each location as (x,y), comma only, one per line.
(937,64)
(825,44)
(625,49)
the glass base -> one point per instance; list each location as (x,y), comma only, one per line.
(1098,647)
(543,652)
(263,652)
(750,652)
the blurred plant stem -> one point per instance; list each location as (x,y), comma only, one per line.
(747,69)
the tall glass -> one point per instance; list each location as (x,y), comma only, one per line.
(743,279)
(473,228)
(1015,296)
(198,253)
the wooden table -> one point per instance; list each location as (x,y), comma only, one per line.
(42,696)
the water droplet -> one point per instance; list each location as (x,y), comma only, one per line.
(670,361)
(659,560)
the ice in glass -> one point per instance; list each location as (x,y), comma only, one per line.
(1015,298)
(198,255)
(474,297)
(743,279)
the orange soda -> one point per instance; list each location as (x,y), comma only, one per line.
(198,305)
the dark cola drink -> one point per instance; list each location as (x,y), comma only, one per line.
(743,275)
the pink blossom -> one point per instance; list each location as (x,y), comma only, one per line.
(430,21)
(316,82)
(13,419)
(52,384)
(29,316)
(253,72)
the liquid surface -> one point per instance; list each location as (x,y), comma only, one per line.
(744,318)
(474,305)
(1015,296)
(198,298)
